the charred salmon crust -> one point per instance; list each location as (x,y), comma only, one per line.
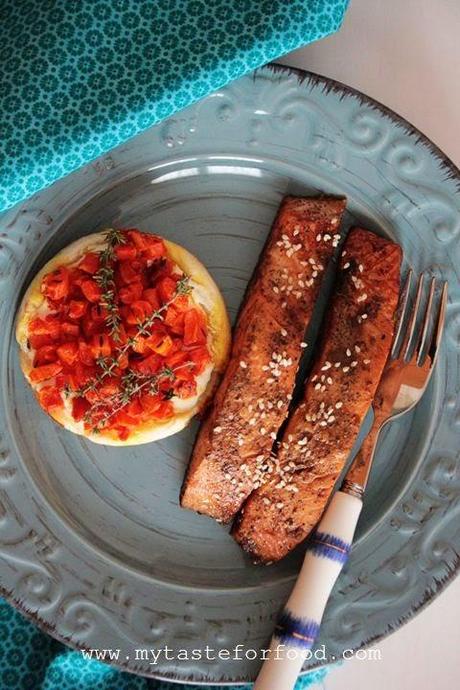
(251,403)
(323,428)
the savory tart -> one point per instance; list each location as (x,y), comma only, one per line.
(253,398)
(323,428)
(123,336)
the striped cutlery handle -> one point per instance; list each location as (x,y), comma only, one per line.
(299,623)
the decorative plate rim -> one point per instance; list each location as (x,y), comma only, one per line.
(334,84)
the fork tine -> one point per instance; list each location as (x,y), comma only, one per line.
(406,346)
(401,313)
(439,326)
(419,349)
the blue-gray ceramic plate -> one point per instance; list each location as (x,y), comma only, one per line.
(93,544)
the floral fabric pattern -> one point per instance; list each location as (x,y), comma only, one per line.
(31,660)
(79,77)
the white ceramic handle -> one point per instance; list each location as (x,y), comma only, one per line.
(299,623)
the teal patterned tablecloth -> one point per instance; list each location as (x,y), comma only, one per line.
(78,77)
(31,660)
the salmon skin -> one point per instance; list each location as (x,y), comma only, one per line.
(322,429)
(237,435)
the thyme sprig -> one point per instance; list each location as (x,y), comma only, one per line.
(105,279)
(109,364)
(182,288)
(113,237)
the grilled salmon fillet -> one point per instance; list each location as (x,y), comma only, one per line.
(322,429)
(237,436)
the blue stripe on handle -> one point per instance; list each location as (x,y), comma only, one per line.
(327,546)
(297,632)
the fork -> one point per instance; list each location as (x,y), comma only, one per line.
(405,378)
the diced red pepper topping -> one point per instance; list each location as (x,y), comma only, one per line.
(175,320)
(85,353)
(55,285)
(194,327)
(200,357)
(45,372)
(76,309)
(126,252)
(90,263)
(129,271)
(139,312)
(91,290)
(68,353)
(161,344)
(50,326)
(114,323)
(131,293)
(151,295)
(100,345)
(80,407)
(150,246)
(167,289)
(185,389)
(45,355)
(123,432)
(70,330)
(37,341)
(49,397)
(177,358)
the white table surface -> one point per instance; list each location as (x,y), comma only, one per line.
(406,54)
